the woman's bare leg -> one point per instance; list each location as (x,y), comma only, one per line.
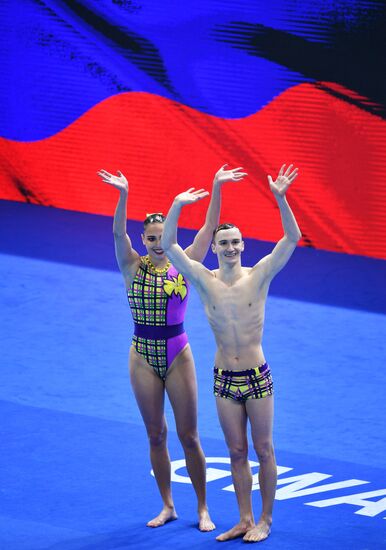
(150,396)
(181,387)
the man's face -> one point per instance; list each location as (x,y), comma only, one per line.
(228,245)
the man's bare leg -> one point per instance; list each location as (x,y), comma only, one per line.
(233,420)
(149,393)
(260,414)
(181,386)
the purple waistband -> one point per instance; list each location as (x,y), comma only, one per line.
(158,333)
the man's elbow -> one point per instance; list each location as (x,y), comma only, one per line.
(165,244)
(168,246)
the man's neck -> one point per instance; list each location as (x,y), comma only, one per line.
(229,274)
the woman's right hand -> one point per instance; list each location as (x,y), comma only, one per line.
(119,181)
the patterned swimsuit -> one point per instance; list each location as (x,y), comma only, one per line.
(158,304)
(242,385)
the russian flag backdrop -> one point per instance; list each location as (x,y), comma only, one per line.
(169,91)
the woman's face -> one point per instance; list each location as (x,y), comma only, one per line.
(151,238)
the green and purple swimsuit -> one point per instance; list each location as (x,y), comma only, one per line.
(158,300)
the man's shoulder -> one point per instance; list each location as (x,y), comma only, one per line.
(255,275)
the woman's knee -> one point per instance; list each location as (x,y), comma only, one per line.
(157,437)
(189,439)
(264,450)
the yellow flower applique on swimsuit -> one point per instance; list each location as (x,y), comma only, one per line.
(177,285)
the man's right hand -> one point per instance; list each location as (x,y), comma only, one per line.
(190,196)
(223,175)
(119,181)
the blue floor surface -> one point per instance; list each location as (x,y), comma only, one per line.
(74,460)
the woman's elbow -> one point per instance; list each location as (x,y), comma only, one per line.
(294,237)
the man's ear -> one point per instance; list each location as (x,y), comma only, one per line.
(213,246)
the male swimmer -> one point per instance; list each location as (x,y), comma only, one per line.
(234,299)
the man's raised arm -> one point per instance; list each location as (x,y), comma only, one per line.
(284,249)
(199,248)
(181,261)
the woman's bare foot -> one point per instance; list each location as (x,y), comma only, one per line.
(237,531)
(259,532)
(167,514)
(204,522)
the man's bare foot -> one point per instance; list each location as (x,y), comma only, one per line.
(166,514)
(204,522)
(237,531)
(259,532)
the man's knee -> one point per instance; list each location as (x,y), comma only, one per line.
(264,450)
(238,453)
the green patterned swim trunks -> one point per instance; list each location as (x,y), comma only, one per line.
(245,384)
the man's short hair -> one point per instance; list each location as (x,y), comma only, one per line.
(221,227)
